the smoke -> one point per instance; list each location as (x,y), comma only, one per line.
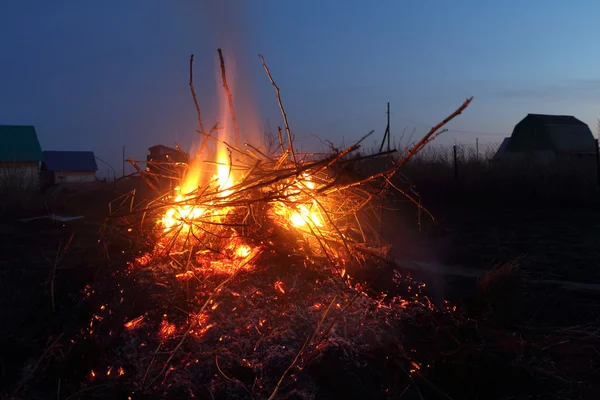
(228,24)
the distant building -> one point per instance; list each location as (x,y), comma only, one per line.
(165,153)
(549,138)
(20,156)
(502,149)
(69,167)
(166,166)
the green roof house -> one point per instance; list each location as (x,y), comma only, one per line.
(20,156)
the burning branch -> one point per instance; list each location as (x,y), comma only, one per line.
(231,108)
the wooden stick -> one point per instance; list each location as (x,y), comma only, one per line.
(285,120)
(231,108)
(194,94)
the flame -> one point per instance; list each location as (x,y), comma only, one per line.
(304,210)
(243,251)
(224,176)
(184,214)
(300,210)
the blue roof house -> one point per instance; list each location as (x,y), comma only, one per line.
(69,166)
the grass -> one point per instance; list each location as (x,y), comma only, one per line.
(19,190)
(478,179)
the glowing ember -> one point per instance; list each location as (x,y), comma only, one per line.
(279,286)
(243,251)
(167,329)
(185,275)
(134,323)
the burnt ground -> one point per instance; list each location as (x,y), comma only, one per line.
(542,336)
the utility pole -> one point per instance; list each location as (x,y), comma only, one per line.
(123,161)
(388,125)
(387,131)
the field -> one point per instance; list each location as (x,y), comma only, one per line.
(541,327)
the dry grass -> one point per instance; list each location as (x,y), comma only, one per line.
(482,180)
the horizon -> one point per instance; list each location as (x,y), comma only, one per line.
(97,78)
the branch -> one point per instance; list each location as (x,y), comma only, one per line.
(285,120)
(194,94)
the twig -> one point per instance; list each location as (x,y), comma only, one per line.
(35,367)
(308,340)
(194,94)
(231,108)
(236,381)
(285,120)
(59,255)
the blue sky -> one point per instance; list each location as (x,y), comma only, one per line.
(100,75)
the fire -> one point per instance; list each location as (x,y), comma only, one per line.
(304,210)
(243,251)
(184,213)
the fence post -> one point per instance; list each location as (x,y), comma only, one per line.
(597,164)
(455,165)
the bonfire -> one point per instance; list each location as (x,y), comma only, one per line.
(257,262)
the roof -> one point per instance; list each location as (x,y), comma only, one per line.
(502,149)
(571,138)
(81,161)
(162,147)
(559,133)
(548,119)
(19,143)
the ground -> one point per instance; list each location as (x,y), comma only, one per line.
(49,270)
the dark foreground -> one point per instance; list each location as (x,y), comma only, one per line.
(519,332)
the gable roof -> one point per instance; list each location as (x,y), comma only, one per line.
(571,138)
(503,146)
(558,133)
(548,119)
(81,161)
(19,143)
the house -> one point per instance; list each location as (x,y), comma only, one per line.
(164,165)
(549,138)
(20,156)
(69,167)
(502,149)
(165,153)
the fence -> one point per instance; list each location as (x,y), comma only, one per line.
(471,173)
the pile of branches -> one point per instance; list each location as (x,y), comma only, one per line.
(255,268)
(331,205)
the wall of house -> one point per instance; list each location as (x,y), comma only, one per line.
(74,177)
(16,176)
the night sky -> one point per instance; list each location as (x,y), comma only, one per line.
(100,75)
